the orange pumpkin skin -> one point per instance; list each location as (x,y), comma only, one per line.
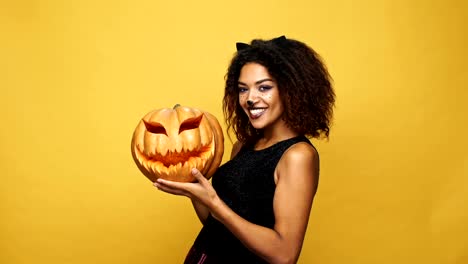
(167,143)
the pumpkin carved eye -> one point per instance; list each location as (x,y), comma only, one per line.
(190,123)
(155,128)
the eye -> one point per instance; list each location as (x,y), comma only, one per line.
(190,123)
(242,89)
(155,128)
(265,88)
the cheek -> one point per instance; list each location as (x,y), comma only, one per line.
(267,96)
(242,98)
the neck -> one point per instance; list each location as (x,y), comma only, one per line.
(272,136)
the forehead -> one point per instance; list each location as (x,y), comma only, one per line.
(252,72)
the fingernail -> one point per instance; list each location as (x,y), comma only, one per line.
(194,171)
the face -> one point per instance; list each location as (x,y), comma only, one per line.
(259,97)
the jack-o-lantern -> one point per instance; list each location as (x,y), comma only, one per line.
(169,142)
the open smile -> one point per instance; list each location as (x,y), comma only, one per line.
(255,113)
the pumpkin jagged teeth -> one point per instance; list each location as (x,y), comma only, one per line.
(207,154)
(144,163)
(154,169)
(190,146)
(161,148)
(208,140)
(192,140)
(191,161)
(139,147)
(203,156)
(190,165)
(157,168)
(167,170)
(178,146)
(184,172)
(178,167)
(203,162)
(173,169)
(164,170)
(185,148)
(195,162)
(203,134)
(149,165)
(145,152)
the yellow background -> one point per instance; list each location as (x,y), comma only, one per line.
(76,77)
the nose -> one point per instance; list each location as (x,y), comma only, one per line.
(251,98)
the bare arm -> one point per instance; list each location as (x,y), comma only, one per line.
(201,209)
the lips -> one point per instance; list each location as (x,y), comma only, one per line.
(255,113)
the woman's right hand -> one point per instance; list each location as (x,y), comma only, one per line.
(203,195)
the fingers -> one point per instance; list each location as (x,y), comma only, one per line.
(185,188)
(199,177)
(171,187)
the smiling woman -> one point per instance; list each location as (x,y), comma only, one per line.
(277,92)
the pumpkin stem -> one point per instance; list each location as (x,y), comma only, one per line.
(175,106)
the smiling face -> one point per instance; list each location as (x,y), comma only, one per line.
(259,97)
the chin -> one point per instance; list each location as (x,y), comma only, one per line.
(257,125)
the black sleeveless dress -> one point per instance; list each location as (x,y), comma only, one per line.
(246,184)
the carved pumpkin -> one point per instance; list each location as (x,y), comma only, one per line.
(168,143)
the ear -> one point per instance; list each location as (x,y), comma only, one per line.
(242,46)
(279,40)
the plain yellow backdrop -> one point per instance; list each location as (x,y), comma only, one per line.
(76,77)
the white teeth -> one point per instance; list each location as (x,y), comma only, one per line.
(256,111)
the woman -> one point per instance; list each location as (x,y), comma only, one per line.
(257,209)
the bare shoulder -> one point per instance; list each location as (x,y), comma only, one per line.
(236,148)
(300,153)
(299,162)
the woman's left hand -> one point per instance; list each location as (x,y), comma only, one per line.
(201,190)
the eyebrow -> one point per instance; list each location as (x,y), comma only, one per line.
(257,82)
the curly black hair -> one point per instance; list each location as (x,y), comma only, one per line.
(304,84)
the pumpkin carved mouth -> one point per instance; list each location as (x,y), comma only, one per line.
(194,158)
(174,158)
